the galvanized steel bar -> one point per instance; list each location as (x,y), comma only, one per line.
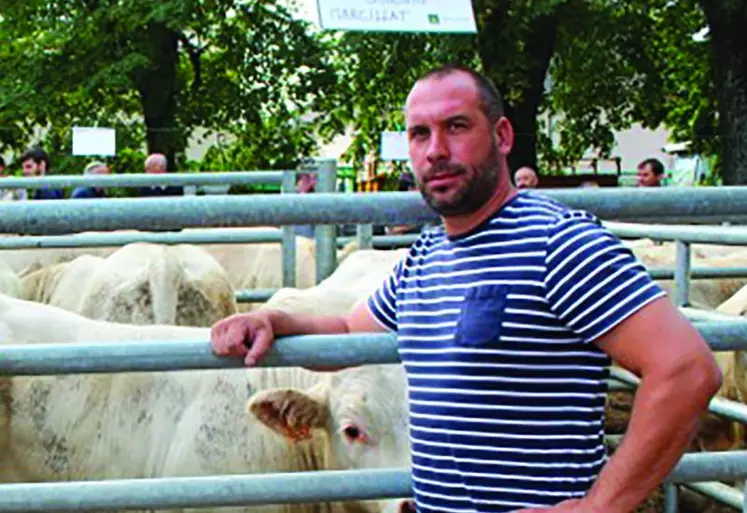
(279,488)
(726,235)
(364,236)
(254,295)
(698,315)
(326,234)
(710,466)
(144,180)
(682,273)
(385,241)
(732,410)
(296,351)
(172,355)
(700,273)
(71,216)
(670,497)
(725,494)
(288,247)
(210,491)
(105,239)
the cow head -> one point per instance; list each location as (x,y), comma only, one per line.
(361,411)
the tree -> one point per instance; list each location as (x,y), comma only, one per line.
(177,64)
(726,20)
(618,63)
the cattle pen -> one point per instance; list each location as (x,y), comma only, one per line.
(67,218)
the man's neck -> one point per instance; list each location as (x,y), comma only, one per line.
(458,225)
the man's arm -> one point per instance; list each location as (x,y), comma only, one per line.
(679,377)
(251,335)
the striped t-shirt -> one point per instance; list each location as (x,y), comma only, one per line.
(495,330)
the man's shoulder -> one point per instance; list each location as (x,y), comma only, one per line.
(551,212)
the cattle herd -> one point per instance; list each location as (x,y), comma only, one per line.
(238,421)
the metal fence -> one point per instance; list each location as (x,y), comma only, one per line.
(61,217)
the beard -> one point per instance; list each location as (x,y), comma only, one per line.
(477,186)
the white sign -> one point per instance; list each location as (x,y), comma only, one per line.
(398,15)
(94,141)
(394,146)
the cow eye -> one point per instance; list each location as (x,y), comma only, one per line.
(353,433)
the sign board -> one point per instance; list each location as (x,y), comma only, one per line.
(398,15)
(394,146)
(94,141)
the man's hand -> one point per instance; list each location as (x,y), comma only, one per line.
(249,336)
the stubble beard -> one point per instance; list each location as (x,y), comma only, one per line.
(472,195)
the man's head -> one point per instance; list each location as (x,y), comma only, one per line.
(306,182)
(156,163)
(2,166)
(458,139)
(650,173)
(526,178)
(96,168)
(35,162)
(406,182)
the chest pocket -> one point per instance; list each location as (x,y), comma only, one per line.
(481,316)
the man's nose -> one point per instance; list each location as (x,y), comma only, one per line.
(438,149)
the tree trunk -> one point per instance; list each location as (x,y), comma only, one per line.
(158,87)
(539,47)
(727,19)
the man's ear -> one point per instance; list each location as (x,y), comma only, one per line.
(504,135)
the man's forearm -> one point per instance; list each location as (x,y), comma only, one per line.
(284,324)
(664,419)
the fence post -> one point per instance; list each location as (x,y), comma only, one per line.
(288,244)
(682,273)
(364,236)
(670,497)
(326,235)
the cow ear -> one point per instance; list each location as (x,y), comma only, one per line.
(291,412)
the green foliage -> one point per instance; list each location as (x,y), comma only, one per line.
(240,65)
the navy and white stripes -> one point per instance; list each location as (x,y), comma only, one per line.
(495,327)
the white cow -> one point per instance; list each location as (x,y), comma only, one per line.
(139,283)
(190,423)
(10,283)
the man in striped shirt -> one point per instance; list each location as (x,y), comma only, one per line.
(507,318)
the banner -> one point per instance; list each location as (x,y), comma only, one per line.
(398,15)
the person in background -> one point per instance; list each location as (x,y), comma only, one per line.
(94,168)
(157,164)
(305,183)
(650,173)
(526,178)
(35,162)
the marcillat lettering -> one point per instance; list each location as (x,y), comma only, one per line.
(376,15)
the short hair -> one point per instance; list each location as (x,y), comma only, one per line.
(158,159)
(490,98)
(2,161)
(656,166)
(92,166)
(37,154)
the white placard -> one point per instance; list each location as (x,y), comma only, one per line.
(94,141)
(398,15)
(394,146)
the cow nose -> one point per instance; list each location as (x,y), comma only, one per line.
(407,506)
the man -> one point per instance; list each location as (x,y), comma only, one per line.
(650,173)
(305,184)
(405,183)
(94,168)
(157,164)
(35,162)
(507,318)
(526,178)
